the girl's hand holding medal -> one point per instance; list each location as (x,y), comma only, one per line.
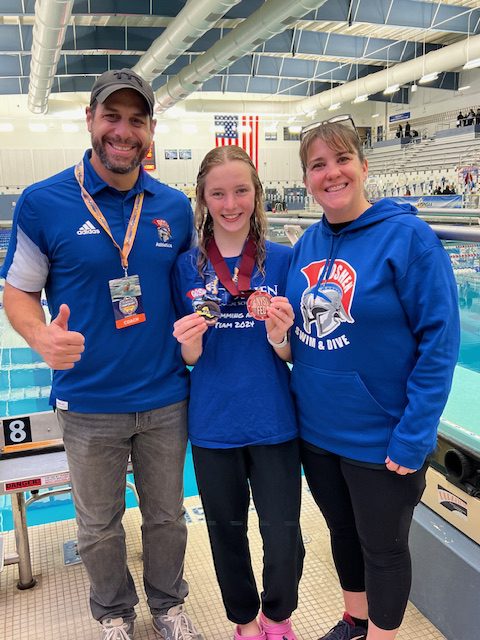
(280,319)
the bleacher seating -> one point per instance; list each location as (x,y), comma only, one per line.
(438,153)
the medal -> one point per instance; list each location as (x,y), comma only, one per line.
(208,309)
(205,304)
(258,303)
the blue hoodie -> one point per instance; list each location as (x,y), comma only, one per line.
(376,335)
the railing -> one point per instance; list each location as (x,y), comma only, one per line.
(432,215)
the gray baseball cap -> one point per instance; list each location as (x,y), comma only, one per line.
(112,81)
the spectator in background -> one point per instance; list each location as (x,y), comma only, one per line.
(477,116)
(399,131)
(460,118)
(470,119)
(368,136)
(407,130)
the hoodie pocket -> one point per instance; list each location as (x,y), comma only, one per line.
(338,407)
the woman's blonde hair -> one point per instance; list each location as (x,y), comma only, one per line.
(203,219)
(337,136)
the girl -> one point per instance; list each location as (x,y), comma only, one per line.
(374,344)
(241,418)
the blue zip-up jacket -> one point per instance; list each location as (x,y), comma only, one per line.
(376,335)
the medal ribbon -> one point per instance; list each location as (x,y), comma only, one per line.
(102,221)
(245,270)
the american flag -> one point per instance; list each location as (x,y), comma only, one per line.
(227,133)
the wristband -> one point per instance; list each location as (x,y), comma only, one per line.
(278,345)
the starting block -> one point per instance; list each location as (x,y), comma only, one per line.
(26,435)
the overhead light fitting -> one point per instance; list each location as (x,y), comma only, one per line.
(375,115)
(414,87)
(5,127)
(429,77)
(363,98)
(38,127)
(295,128)
(70,127)
(464,88)
(162,128)
(337,105)
(271,128)
(391,89)
(189,128)
(471,64)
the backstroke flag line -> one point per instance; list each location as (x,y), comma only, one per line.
(227,133)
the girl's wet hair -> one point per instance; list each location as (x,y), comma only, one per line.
(337,136)
(203,219)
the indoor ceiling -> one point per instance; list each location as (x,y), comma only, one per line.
(321,48)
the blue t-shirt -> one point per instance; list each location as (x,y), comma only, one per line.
(58,245)
(239,391)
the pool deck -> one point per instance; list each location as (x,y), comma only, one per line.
(57,607)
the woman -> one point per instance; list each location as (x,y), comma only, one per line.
(374,346)
(242,422)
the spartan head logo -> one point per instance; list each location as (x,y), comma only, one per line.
(327,304)
(163,229)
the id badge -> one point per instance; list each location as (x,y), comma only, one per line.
(126,296)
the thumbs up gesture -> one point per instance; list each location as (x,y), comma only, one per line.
(59,347)
(62,319)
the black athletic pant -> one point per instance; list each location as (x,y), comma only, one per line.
(369,512)
(273,473)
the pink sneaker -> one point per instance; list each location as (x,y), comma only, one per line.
(238,636)
(280,631)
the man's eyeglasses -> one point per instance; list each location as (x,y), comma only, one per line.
(344,119)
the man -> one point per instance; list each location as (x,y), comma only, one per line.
(101,238)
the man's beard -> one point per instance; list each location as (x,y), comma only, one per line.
(100,151)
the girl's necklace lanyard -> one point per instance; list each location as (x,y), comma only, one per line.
(100,218)
(241,288)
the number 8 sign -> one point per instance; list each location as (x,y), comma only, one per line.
(17,430)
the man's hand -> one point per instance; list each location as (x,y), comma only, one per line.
(59,347)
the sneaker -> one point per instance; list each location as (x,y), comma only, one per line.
(279,631)
(175,625)
(343,630)
(117,629)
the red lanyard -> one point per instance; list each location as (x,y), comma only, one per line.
(247,264)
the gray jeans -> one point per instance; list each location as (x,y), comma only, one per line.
(98,447)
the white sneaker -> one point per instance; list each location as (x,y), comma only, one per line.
(117,629)
(175,625)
